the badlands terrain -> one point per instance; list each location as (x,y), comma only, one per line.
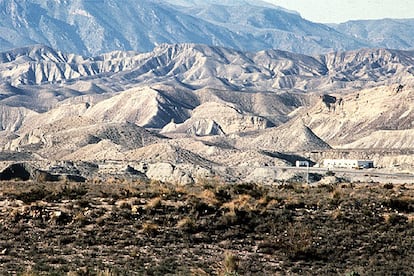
(186,112)
(179,161)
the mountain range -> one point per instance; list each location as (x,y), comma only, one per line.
(185,68)
(110,83)
(100,26)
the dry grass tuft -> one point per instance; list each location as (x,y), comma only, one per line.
(123,204)
(29,272)
(106,272)
(154,203)
(337,214)
(410,219)
(198,272)
(242,202)
(394,219)
(186,223)
(299,240)
(336,194)
(80,218)
(208,197)
(149,228)
(230,264)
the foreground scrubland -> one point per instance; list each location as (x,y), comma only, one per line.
(118,227)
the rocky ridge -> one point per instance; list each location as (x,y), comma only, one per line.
(92,28)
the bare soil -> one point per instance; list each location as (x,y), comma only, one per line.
(133,228)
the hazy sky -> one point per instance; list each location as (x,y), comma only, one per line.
(336,11)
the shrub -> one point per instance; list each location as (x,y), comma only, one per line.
(149,228)
(34,194)
(247,188)
(337,214)
(186,224)
(208,197)
(242,202)
(71,192)
(153,203)
(401,204)
(106,272)
(298,243)
(230,264)
(352,273)
(395,219)
(80,218)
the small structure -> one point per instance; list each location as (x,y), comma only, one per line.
(348,163)
(399,88)
(302,163)
(329,101)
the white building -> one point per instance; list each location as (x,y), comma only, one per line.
(348,163)
(300,163)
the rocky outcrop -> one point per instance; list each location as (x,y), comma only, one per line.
(25,172)
(375,117)
(70,135)
(21,171)
(197,127)
(12,118)
(291,137)
(181,174)
(215,118)
(144,107)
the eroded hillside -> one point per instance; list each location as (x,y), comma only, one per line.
(354,117)
(219,110)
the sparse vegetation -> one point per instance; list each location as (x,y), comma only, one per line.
(230,265)
(119,227)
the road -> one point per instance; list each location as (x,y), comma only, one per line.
(369,175)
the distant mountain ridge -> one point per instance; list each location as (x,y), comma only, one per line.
(384,33)
(96,27)
(201,66)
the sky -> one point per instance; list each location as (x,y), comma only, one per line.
(338,11)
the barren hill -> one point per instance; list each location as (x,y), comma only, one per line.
(290,137)
(219,107)
(385,139)
(214,118)
(142,106)
(65,136)
(39,78)
(387,33)
(358,114)
(12,118)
